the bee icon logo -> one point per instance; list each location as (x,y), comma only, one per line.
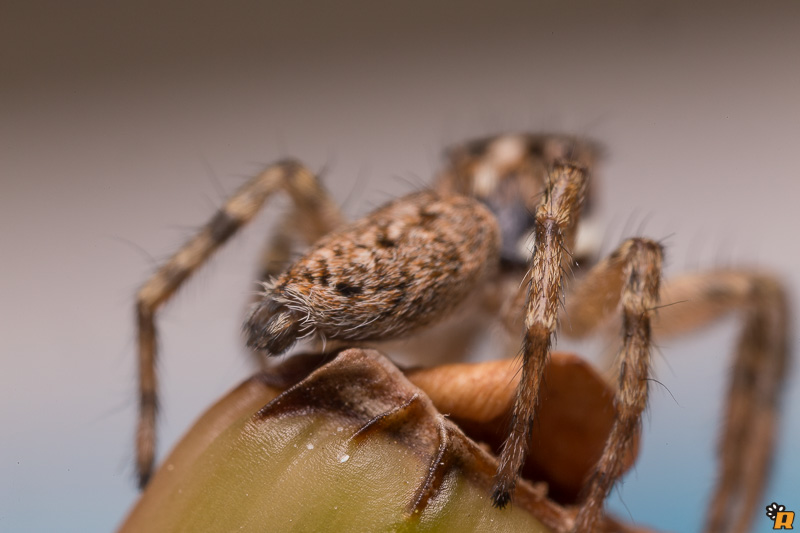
(781,518)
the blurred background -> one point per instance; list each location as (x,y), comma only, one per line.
(124,125)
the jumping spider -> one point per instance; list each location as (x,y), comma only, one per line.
(416,260)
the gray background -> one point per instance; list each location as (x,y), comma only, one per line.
(122,126)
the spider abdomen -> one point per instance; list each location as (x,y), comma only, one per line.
(395,271)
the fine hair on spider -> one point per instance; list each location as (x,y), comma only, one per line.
(415,261)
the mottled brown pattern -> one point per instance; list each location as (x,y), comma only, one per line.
(407,264)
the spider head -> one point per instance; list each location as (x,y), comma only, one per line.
(509,173)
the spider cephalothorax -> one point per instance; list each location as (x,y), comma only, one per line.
(509,174)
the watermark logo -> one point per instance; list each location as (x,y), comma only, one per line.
(781,518)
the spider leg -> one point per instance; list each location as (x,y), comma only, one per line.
(629,277)
(747,439)
(556,218)
(689,302)
(312,216)
(307,193)
(277,253)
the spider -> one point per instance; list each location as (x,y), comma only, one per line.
(423,257)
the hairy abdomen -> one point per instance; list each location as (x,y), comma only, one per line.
(399,269)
